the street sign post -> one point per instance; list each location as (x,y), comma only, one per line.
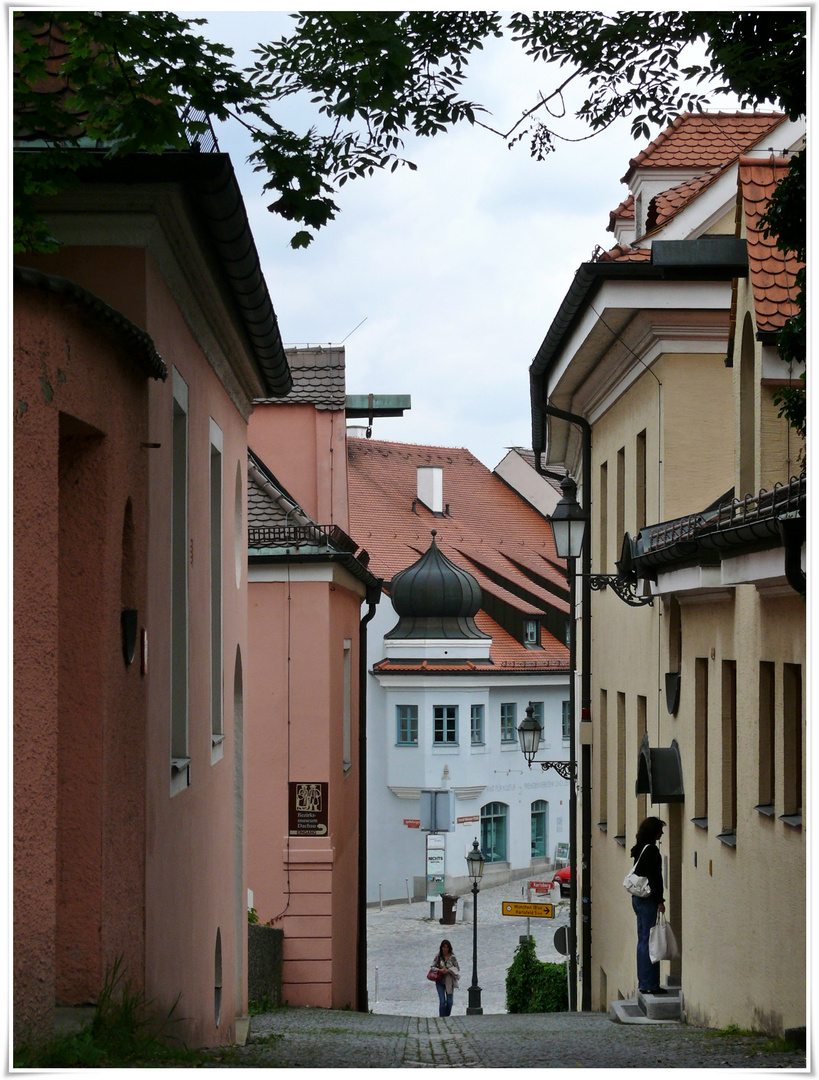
(528,911)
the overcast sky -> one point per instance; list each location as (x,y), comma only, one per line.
(458,268)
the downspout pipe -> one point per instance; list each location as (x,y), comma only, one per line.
(372,598)
(585,707)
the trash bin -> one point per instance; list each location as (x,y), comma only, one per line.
(449,904)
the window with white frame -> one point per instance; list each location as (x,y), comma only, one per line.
(445,725)
(216,691)
(180,761)
(476,717)
(509,722)
(531,632)
(406,721)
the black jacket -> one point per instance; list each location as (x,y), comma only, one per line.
(650,865)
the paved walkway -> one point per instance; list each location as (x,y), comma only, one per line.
(321,1039)
(402,941)
(403,1030)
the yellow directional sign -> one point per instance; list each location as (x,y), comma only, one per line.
(528,911)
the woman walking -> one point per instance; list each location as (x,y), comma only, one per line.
(446,962)
(648,863)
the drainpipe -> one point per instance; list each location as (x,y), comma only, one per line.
(372,598)
(585,707)
(792,531)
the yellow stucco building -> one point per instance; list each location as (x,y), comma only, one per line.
(664,348)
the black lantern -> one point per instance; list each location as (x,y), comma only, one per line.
(568,521)
(529,734)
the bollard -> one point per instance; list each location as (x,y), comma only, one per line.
(376,982)
(409,900)
(467,911)
(380,903)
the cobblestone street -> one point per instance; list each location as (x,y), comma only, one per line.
(318,1038)
(403,1030)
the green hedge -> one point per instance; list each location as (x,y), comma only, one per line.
(533,986)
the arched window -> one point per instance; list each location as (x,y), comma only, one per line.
(540,828)
(493,831)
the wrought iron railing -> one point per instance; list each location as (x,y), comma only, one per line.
(290,536)
(782,499)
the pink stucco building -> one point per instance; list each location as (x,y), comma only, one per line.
(304,776)
(138,350)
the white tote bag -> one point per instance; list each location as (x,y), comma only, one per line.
(635,883)
(662,945)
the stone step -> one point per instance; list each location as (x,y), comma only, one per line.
(649,1008)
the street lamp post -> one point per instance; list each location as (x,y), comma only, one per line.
(474,862)
(568,522)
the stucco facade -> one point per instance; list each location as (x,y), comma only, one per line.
(307,589)
(129,826)
(682,426)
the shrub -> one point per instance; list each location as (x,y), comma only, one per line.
(533,985)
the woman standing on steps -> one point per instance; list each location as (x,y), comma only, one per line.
(648,863)
(446,962)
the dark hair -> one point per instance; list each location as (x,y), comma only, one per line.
(649,830)
(446,942)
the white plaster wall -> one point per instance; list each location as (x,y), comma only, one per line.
(494,772)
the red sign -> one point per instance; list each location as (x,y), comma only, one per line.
(540,886)
(412,823)
(467,820)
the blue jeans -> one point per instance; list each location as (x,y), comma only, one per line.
(648,974)
(444,999)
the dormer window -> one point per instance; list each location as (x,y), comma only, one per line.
(531,633)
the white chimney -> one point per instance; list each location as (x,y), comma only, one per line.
(431,488)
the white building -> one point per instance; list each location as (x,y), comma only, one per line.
(475,631)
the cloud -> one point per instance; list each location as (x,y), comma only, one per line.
(458,268)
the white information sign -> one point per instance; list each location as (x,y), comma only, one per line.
(435,866)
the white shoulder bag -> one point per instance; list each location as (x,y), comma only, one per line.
(635,883)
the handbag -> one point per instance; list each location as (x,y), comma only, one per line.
(636,884)
(662,945)
(434,975)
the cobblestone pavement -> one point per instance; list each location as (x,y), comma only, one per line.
(402,941)
(403,1030)
(321,1039)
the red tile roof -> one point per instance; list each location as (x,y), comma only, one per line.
(508,656)
(772,272)
(705,140)
(624,212)
(621,253)
(490,531)
(664,206)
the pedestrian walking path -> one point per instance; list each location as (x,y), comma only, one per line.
(323,1038)
(402,941)
(403,1029)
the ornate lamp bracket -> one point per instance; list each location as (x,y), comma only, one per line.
(566,769)
(625,588)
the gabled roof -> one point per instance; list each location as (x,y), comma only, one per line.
(624,212)
(318,378)
(665,205)
(488,530)
(772,272)
(704,140)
